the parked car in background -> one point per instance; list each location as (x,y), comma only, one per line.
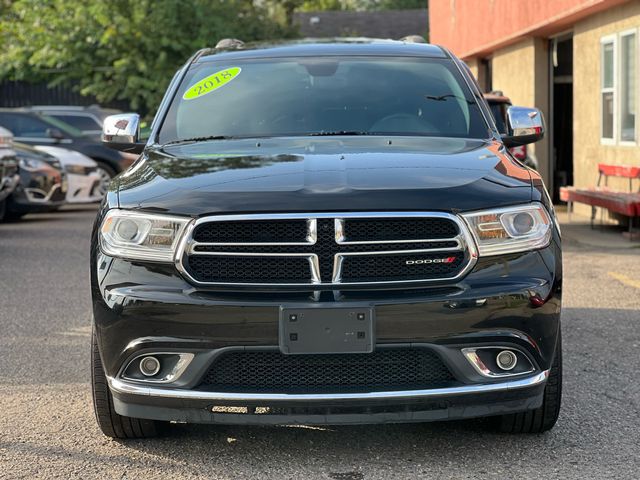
(86,119)
(42,186)
(36,129)
(499,104)
(8,168)
(85,185)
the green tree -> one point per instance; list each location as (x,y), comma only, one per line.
(120,49)
(402,4)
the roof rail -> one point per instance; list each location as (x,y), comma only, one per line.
(229,43)
(413,39)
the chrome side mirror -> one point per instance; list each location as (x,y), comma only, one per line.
(122,132)
(524,125)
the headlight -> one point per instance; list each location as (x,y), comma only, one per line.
(141,236)
(511,229)
(33,164)
(76,169)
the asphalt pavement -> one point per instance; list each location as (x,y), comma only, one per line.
(47,429)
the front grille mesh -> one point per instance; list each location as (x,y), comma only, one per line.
(253,231)
(274,372)
(244,261)
(367,230)
(231,269)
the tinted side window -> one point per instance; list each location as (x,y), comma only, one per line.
(81,122)
(24,125)
(499,111)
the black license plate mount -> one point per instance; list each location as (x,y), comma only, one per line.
(307,330)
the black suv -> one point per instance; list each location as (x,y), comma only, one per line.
(325,233)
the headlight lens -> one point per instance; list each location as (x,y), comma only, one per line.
(33,164)
(76,169)
(141,236)
(510,230)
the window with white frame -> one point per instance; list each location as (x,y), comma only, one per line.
(628,87)
(607,90)
(618,88)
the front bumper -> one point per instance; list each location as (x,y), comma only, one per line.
(83,188)
(7,185)
(39,192)
(468,401)
(511,301)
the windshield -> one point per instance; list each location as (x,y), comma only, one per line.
(323,95)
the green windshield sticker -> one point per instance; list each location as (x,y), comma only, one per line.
(211,83)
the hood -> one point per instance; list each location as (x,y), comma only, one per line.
(299,174)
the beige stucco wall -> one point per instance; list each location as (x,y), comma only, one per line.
(513,72)
(587,148)
(520,71)
(474,66)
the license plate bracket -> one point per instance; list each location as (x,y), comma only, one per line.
(326,330)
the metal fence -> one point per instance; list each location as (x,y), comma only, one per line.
(19,94)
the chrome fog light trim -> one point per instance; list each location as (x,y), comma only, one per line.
(506,360)
(169,370)
(149,366)
(471,354)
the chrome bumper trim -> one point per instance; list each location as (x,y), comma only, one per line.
(119,386)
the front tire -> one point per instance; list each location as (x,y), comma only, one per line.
(106,173)
(111,423)
(544,418)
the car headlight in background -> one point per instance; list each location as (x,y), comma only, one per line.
(141,236)
(510,230)
(79,169)
(33,164)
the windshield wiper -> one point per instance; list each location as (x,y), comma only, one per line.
(442,98)
(339,132)
(199,139)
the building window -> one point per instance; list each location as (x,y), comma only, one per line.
(619,88)
(628,87)
(607,90)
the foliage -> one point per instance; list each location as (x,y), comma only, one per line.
(319,5)
(120,49)
(284,9)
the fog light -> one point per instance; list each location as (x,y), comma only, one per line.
(149,366)
(506,360)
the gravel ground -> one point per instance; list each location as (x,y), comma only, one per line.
(47,429)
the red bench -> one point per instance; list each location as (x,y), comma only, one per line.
(624,203)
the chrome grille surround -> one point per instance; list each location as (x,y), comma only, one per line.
(463,243)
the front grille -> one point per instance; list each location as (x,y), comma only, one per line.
(274,372)
(325,249)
